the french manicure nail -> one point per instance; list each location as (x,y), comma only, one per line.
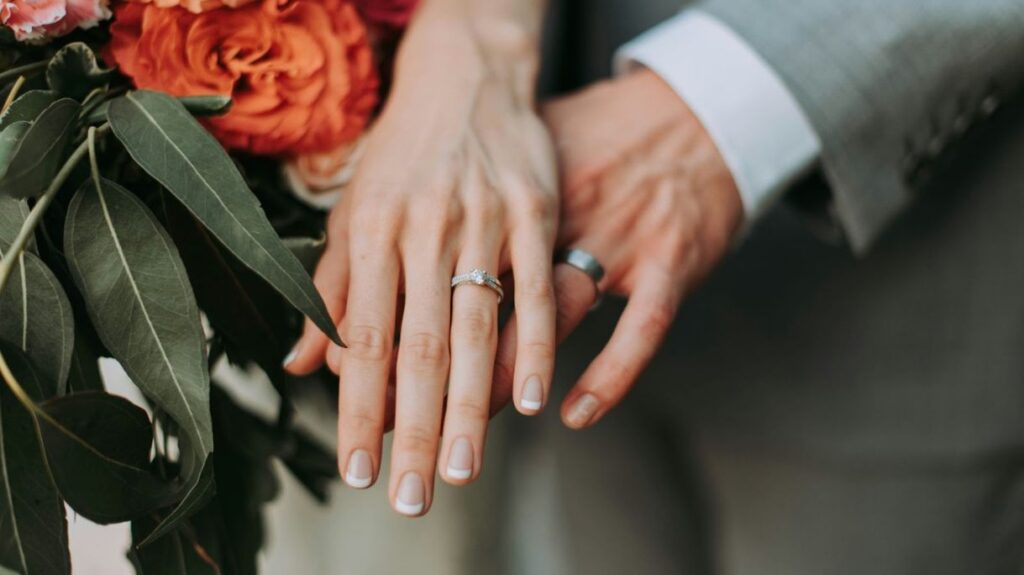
(533,394)
(409,500)
(583,410)
(460,459)
(291,356)
(359,473)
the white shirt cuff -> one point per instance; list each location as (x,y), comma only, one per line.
(756,123)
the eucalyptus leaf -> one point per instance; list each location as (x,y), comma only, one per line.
(27,107)
(168,143)
(307,250)
(85,367)
(36,316)
(199,494)
(98,448)
(206,105)
(240,307)
(174,554)
(9,140)
(74,71)
(41,151)
(138,296)
(12,216)
(33,528)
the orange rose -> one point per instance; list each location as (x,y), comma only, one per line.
(301,73)
(197,6)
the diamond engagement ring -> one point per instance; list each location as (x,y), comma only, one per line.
(481,278)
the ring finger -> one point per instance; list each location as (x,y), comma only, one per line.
(474,336)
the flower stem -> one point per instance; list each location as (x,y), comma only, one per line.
(13,93)
(27,228)
(36,215)
(21,70)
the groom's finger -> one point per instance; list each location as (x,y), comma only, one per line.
(575,294)
(641,329)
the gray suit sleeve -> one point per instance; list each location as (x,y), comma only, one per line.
(887,84)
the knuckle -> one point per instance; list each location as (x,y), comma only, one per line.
(376,220)
(368,343)
(469,408)
(475,324)
(427,349)
(537,207)
(358,424)
(486,206)
(657,319)
(537,290)
(539,351)
(417,439)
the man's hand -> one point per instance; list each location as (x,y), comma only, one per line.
(645,191)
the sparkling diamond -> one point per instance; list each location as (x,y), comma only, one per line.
(479,277)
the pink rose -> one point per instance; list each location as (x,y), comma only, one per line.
(34,20)
(391,13)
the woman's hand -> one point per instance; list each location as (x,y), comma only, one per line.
(458,174)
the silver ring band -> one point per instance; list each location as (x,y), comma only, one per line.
(481,278)
(583,261)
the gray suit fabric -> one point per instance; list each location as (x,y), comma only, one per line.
(824,408)
(914,348)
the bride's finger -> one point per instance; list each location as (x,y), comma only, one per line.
(535,316)
(422,371)
(575,295)
(368,329)
(474,337)
(331,280)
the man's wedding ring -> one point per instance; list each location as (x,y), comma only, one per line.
(481,278)
(586,263)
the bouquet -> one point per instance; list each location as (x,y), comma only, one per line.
(161,165)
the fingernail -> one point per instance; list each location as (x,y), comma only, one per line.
(409,500)
(533,394)
(583,410)
(460,459)
(291,356)
(359,473)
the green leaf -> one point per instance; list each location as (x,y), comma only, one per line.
(41,151)
(74,71)
(199,493)
(33,529)
(36,316)
(12,216)
(174,554)
(27,107)
(307,250)
(139,299)
(206,105)
(9,140)
(168,143)
(240,307)
(85,368)
(98,448)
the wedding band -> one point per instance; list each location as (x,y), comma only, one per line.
(586,263)
(481,278)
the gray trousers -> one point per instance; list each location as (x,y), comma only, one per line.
(643,492)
